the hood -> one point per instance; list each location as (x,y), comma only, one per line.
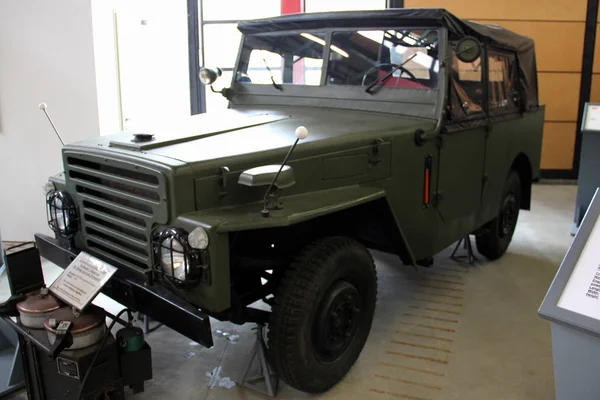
(237,132)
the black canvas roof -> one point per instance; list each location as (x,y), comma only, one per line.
(415,17)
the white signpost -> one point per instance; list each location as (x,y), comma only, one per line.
(582,293)
(591,117)
(82,280)
(572,305)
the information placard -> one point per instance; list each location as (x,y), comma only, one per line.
(82,280)
(582,292)
(591,117)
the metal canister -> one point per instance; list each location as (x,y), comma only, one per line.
(130,339)
(36,307)
(87,328)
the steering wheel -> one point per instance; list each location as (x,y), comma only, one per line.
(402,70)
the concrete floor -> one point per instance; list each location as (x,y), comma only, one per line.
(448,332)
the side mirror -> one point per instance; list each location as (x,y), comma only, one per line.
(468,49)
(208,76)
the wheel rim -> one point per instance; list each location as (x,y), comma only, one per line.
(509,214)
(336,322)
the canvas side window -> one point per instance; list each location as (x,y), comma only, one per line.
(466,88)
(503,95)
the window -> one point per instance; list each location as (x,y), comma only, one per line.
(502,93)
(466,88)
(291,58)
(220,39)
(405,58)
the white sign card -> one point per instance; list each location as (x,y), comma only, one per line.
(582,292)
(592,117)
(81,281)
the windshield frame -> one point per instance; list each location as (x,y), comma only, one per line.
(384,99)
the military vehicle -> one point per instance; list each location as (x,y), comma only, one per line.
(414,129)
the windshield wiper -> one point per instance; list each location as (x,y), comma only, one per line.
(275,84)
(386,76)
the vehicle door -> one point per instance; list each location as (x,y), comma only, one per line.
(461,151)
(506,127)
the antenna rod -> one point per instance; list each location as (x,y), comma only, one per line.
(301,133)
(43,107)
(277,176)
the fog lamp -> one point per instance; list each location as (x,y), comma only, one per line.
(198,238)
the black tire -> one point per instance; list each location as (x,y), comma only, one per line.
(322,314)
(496,236)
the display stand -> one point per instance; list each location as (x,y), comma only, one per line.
(267,380)
(572,305)
(589,161)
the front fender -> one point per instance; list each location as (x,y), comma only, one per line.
(296,208)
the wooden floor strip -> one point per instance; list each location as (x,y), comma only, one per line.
(440,295)
(409,382)
(443,311)
(421,346)
(436,302)
(432,318)
(435,328)
(423,371)
(415,357)
(452,270)
(443,275)
(397,395)
(424,336)
(439,287)
(435,310)
(440,281)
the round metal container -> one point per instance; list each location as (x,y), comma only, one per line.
(87,329)
(36,307)
(130,339)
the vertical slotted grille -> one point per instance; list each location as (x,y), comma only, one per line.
(119,203)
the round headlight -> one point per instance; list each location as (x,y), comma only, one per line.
(172,258)
(198,238)
(60,218)
(62,214)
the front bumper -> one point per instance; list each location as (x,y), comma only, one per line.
(154,301)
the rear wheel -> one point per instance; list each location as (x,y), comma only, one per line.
(322,313)
(499,232)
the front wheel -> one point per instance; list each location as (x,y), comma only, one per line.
(494,240)
(322,313)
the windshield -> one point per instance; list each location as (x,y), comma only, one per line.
(391,58)
(400,58)
(292,58)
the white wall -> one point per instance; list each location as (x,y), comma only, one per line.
(153,60)
(46,54)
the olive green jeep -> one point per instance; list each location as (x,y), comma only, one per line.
(399,130)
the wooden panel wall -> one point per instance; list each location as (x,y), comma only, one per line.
(557,26)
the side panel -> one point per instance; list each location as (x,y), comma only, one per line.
(506,140)
(460,180)
(406,193)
